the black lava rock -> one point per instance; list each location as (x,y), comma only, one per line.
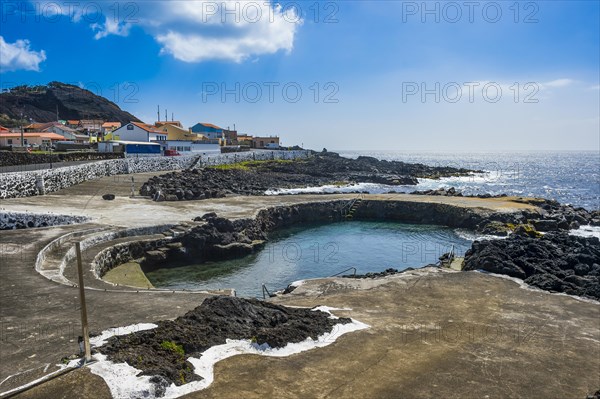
(162,352)
(555,262)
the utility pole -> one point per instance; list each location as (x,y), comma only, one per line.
(22,135)
(84,323)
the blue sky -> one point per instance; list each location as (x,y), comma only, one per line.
(373,75)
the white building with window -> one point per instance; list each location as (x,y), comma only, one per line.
(188,147)
(137,131)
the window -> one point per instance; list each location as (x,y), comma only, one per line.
(129,127)
(10,142)
(25,141)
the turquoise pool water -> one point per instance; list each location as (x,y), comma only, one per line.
(318,251)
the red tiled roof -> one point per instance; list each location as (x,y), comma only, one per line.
(111,124)
(3,129)
(147,127)
(61,127)
(40,126)
(51,136)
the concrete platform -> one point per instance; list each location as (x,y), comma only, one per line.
(86,200)
(39,318)
(433,333)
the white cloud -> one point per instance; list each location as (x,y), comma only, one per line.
(197,30)
(110,27)
(558,83)
(16,56)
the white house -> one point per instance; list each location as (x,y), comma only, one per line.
(189,147)
(65,131)
(136,131)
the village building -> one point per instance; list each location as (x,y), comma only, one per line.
(91,125)
(43,140)
(244,140)
(109,127)
(271,142)
(140,132)
(131,148)
(72,123)
(209,130)
(37,127)
(230,136)
(184,141)
(174,123)
(65,131)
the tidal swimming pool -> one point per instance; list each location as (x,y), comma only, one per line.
(312,251)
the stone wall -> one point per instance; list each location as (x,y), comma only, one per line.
(119,254)
(24,220)
(9,158)
(27,184)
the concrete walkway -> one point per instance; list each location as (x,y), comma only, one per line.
(86,200)
(433,334)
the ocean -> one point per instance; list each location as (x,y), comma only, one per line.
(568,177)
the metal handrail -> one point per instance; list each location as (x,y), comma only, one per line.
(264,289)
(451,256)
(350,204)
(344,271)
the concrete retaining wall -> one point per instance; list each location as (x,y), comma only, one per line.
(27,184)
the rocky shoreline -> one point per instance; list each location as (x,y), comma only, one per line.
(256,177)
(556,262)
(162,352)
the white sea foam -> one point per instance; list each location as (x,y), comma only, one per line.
(375,188)
(586,231)
(124,380)
(473,236)
(372,188)
(111,332)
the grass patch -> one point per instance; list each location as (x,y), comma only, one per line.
(129,274)
(173,347)
(246,165)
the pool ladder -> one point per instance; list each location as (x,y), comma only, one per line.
(349,210)
(266,293)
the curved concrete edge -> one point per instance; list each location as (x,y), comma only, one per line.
(41,256)
(99,269)
(455,215)
(58,276)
